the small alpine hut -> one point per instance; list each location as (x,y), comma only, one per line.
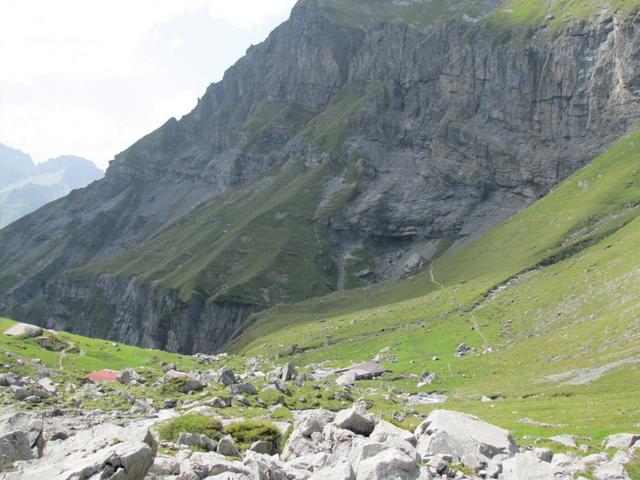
(103,376)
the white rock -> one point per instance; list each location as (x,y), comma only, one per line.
(347,379)
(210,464)
(526,466)
(613,470)
(313,421)
(384,430)
(163,465)
(544,454)
(313,462)
(356,419)
(104,451)
(47,385)
(388,464)
(568,441)
(299,443)
(340,471)
(265,467)
(621,441)
(457,434)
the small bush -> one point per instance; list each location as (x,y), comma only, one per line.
(282,413)
(271,396)
(52,343)
(173,386)
(190,423)
(248,431)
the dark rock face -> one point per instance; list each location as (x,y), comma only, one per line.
(424,138)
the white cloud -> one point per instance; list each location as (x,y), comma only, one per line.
(112,85)
(177,42)
(247,14)
(98,39)
(93,134)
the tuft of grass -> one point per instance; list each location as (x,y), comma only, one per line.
(246,432)
(555,14)
(282,413)
(190,423)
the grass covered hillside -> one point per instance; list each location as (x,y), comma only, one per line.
(501,14)
(547,300)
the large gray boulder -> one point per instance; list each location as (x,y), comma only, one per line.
(227,377)
(385,430)
(105,451)
(21,438)
(340,471)
(313,421)
(203,465)
(227,448)
(14,446)
(356,419)
(197,440)
(240,388)
(527,466)
(621,441)
(266,467)
(128,376)
(308,423)
(614,469)
(459,434)
(388,464)
(289,372)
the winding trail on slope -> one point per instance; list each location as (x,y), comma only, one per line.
(61,360)
(476,327)
(433,278)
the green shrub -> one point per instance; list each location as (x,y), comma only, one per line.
(190,423)
(271,396)
(52,343)
(248,431)
(173,386)
(282,413)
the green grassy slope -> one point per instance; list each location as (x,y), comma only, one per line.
(356,13)
(556,13)
(246,247)
(228,249)
(501,14)
(552,291)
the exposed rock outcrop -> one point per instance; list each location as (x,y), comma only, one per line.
(386,137)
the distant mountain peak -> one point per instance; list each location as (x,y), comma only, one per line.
(26,186)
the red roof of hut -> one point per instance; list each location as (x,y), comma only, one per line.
(103,376)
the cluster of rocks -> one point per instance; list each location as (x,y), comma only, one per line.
(351,444)
(28,389)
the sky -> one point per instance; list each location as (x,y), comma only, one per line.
(90,77)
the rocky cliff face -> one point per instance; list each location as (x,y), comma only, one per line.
(330,156)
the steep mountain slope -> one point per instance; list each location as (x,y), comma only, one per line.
(25,186)
(357,142)
(548,300)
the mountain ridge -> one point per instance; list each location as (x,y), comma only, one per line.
(26,186)
(329,157)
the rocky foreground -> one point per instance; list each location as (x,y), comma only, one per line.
(348,445)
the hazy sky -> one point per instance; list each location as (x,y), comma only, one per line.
(90,77)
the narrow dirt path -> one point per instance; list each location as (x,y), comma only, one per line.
(433,277)
(61,359)
(476,327)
